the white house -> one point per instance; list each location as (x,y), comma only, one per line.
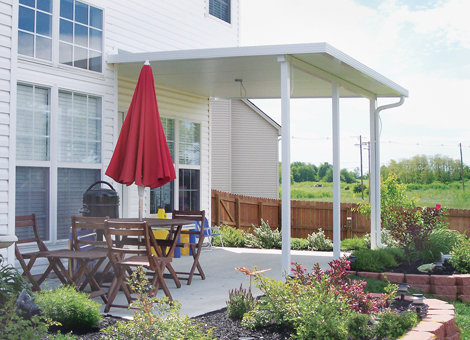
(244,149)
(61,102)
(67,73)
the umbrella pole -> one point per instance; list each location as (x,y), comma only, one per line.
(141,190)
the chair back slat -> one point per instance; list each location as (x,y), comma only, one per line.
(129,238)
(27,225)
(83,224)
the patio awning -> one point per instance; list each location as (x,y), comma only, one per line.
(315,70)
(212,72)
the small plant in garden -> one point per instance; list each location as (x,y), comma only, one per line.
(263,237)
(358,326)
(72,309)
(231,237)
(460,259)
(377,260)
(318,241)
(354,243)
(240,301)
(155,319)
(11,281)
(298,243)
(393,325)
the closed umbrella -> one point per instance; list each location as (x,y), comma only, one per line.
(142,155)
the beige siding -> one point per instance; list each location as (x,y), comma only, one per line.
(221,145)
(179,106)
(255,170)
(5,81)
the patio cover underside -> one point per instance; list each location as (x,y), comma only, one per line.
(267,72)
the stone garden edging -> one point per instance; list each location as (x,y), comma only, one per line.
(439,323)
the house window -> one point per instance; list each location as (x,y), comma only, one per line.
(67,167)
(187,197)
(80,35)
(35,28)
(220,9)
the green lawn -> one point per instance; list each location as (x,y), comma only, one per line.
(450,196)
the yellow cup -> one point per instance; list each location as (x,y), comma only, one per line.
(161,213)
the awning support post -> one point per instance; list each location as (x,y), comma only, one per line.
(336,174)
(285,131)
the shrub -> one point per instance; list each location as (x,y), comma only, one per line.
(386,236)
(72,309)
(232,237)
(298,243)
(460,259)
(263,237)
(11,282)
(318,241)
(358,327)
(240,302)
(14,327)
(357,189)
(374,260)
(393,325)
(155,319)
(354,243)
(441,240)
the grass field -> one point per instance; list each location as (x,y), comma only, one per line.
(450,196)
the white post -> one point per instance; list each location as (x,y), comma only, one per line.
(374,190)
(336,174)
(285,131)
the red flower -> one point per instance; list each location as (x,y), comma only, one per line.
(438,206)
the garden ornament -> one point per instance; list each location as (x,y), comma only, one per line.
(25,306)
(427,268)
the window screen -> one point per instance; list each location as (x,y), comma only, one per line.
(220,9)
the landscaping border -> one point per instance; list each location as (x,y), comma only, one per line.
(439,322)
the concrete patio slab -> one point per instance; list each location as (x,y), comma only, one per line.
(207,295)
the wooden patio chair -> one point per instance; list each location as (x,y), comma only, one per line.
(129,246)
(27,225)
(87,235)
(195,247)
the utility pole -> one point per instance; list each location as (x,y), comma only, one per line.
(461,168)
(362,172)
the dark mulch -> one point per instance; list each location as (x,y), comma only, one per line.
(412,268)
(226,328)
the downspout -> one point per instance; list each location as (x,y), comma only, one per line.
(377,111)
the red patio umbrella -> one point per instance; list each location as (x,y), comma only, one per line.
(141,155)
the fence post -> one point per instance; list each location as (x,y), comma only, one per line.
(217,209)
(237,213)
(260,212)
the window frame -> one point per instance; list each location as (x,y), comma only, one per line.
(179,166)
(53,164)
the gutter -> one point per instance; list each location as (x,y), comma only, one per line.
(378,233)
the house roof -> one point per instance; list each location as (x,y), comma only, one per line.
(212,72)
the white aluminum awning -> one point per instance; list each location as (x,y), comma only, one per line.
(315,70)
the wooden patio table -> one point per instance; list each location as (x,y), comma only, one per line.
(165,246)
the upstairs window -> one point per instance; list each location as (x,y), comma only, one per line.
(80,35)
(220,9)
(35,28)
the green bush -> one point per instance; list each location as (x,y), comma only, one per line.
(240,301)
(374,260)
(72,309)
(298,243)
(354,243)
(460,259)
(386,236)
(231,237)
(392,325)
(358,327)
(441,240)
(155,319)
(263,237)
(318,241)
(11,282)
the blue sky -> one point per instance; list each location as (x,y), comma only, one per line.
(423,46)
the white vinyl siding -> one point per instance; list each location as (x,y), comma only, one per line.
(181,107)
(6,51)
(221,150)
(253,151)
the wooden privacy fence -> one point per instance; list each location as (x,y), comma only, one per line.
(306,216)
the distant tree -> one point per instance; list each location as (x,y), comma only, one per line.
(347,176)
(322,170)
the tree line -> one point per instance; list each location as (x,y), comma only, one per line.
(419,169)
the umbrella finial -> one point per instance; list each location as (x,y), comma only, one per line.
(147,62)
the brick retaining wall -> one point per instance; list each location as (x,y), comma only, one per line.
(439,323)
